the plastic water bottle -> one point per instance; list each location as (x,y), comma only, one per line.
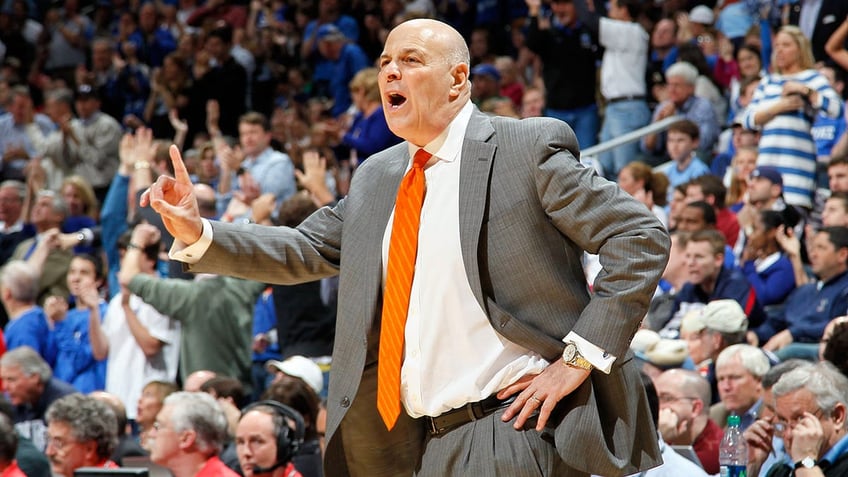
(733,453)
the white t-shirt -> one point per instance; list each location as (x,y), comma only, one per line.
(128,369)
(625,58)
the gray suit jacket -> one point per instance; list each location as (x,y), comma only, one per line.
(528,209)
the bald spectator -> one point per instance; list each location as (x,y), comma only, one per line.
(680,80)
(31,388)
(684,418)
(195,381)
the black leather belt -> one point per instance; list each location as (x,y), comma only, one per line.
(465,414)
(625,98)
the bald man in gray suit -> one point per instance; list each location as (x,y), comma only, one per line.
(511,367)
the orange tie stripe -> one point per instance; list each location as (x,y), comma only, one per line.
(403,247)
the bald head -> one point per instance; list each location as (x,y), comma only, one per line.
(423,79)
(688,383)
(196,379)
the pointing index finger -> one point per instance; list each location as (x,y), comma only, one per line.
(180,172)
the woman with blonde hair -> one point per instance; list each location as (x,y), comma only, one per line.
(784,107)
(83,209)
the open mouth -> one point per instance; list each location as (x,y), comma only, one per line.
(396,100)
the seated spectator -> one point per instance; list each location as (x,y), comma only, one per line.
(31,388)
(709,189)
(681,79)
(299,367)
(32,462)
(188,435)
(8,448)
(796,331)
(301,397)
(684,417)
(739,370)
(12,222)
(699,215)
(811,404)
(149,404)
(707,332)
(835,212)
(741,138)
(682,145)
(765,192)
(673,463)
(268,437)
(765,265)
(651,188)
(767,412)
(743,164)
(194,381)
(81,432)
(76,362)
(709,280)
(27,324)
(833,346)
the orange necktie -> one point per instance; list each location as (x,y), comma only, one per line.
(403,247)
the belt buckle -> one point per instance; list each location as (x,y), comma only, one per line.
(433,429)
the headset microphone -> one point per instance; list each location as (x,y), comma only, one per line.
(288,440)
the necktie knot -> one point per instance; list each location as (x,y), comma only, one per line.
(420,159)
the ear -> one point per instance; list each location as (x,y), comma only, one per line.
(460,82)
(187,439)
(838,415)
(90,451)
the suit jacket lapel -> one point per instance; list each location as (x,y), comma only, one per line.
(476,165)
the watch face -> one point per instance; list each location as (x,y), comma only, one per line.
(569,352)
(808,462)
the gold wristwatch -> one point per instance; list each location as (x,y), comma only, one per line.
(571,357)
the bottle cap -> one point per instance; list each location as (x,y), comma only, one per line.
(733,420)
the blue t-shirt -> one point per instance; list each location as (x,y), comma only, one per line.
(75,363)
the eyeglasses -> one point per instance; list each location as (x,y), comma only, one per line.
(782,426)
(668,398)
(58,443)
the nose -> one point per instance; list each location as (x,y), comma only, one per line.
(390,71)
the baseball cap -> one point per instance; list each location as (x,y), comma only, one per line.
(329,32)
(702,14)
(667,353)
(768,172)
(300,367)
(485,69)
(725,316)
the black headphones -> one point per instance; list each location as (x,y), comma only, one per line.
(287,444)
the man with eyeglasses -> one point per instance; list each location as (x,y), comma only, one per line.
(684,415)
(81,432)
(188,436)
(811,405)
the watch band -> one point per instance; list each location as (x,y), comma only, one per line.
(806,463)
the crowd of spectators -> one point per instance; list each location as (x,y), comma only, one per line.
(274,103)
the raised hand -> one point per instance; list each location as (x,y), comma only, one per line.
(173,198)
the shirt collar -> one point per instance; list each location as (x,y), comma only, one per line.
(448,144)
(837,450)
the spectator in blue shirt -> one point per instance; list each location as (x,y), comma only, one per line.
(27,324)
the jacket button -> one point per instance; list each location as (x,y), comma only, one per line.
(345,402)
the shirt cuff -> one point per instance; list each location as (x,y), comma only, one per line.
(192,253)
(600,359)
